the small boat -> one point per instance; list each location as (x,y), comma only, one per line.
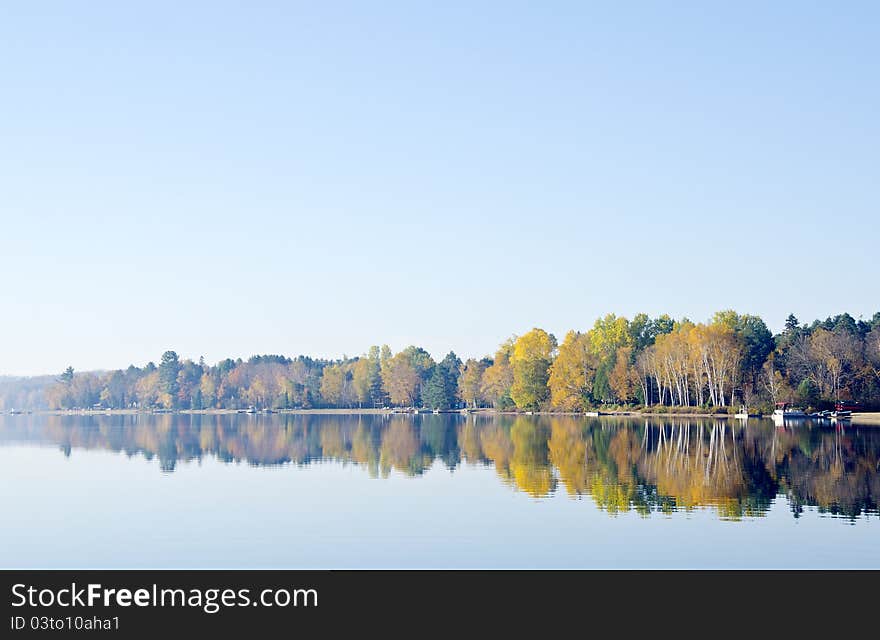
(592,414)
(745,414)
(841,415)
(785,412)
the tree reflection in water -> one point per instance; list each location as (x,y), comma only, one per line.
(622,464)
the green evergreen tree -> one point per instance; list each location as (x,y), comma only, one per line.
(436,391)
(169,367)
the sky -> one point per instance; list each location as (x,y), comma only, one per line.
(226,179)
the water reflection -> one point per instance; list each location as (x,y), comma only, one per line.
(621,464)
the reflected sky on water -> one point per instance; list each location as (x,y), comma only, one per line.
(435,491)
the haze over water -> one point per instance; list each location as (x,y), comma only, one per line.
(336,491)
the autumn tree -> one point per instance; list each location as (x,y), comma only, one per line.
(532,356)
(336,384)
(470,381)
(208,389)
(404,373)
(114,390)
(720,353)
(835,354)
(622,379)
(571,375)
(366,380)
(498,377)
(774,382)
(755,342)
(188,385)
(400,379)
(608,334)
(147,390)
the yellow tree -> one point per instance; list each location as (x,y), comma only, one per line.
(208,389)
(470,381)
(532,356)
(257,392)
(722,357)
(606,337)
(609,334)
(571,374)
(644,369)
(147,389)
(498,378)
(672,353)
(362,380)
(400,380)
(622,378)
(365,377)
(333,380)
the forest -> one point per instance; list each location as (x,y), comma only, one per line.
(658,363)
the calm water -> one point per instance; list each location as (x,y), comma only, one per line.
(434,491)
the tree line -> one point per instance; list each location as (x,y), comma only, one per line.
(729,361)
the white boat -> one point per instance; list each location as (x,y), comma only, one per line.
(784,412)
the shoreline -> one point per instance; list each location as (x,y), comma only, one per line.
(871,418)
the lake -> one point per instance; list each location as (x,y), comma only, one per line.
(445,491)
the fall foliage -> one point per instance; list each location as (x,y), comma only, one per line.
(731,360)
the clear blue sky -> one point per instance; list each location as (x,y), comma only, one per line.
(225,179)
